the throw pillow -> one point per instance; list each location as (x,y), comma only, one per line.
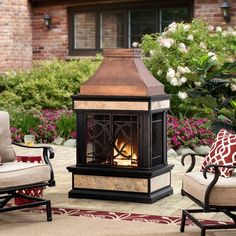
(222,152)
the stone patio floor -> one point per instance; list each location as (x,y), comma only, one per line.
(168,206)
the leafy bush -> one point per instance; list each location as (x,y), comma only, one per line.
(66,125)
(25,121)
(48,85)
(216,96)
(50,124)
(184,54)
(188,132)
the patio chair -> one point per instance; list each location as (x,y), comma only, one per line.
(212,192)
(16,176)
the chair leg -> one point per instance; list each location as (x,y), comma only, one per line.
(183,221)
(49,211)
(203,231)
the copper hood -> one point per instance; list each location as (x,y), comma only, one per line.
(122,73)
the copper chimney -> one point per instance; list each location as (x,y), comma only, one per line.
(121,132)
(122,73)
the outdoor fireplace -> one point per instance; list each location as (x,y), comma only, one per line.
(121,132)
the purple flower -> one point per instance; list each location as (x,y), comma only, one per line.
(188,133)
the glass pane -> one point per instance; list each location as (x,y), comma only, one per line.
(112,140)
(169,15)
(141,22)
(85,31)
(98,139)
(125,133)
(112,30)
(157,135)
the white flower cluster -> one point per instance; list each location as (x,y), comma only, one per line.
(210,28)
(203,46)
(166,42)
(213,57)
(182,95)
(176,78)
(190,37)
(186,27)
(218,29)
(233,85)
(135,45)
(182,47)
(172,27)
(230,31)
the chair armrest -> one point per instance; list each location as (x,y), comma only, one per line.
(214,181)
(216,167)
(48,153)
(193,160)
(46,149)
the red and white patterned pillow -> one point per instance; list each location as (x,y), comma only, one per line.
(223,152)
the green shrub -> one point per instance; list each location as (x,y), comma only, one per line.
(48,85)
(25,121)
(66,125)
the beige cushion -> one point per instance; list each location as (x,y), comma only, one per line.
(23,173)
(223,193)
(6,150)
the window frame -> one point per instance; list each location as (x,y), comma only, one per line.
(126,7)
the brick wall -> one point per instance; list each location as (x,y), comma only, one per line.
(15,35)
(51,43)
(54,43)
(210,11)
(19,43)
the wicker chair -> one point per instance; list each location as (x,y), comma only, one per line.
(211,192)
(15,176)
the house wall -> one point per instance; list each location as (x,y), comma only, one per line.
(15,35)
(19,44)
(210,11)
(54,42)
(51,43)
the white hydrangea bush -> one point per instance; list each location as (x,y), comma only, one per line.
(178,56)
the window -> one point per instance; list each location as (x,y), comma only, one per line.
(85,31)
(112,30)
(169,15)
(141,22)
(91,30)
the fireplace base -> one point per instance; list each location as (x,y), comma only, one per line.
(121,196)
(146,186)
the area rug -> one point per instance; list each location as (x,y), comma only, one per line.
(122,216)
(35,224)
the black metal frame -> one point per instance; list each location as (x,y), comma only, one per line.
(7,194)
(206,206)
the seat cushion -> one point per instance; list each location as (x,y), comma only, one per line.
(223,152)
(23,173)
(223,193)
(6,149)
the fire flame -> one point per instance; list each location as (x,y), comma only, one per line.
(126,149)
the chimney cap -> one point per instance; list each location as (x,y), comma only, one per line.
(122,73)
